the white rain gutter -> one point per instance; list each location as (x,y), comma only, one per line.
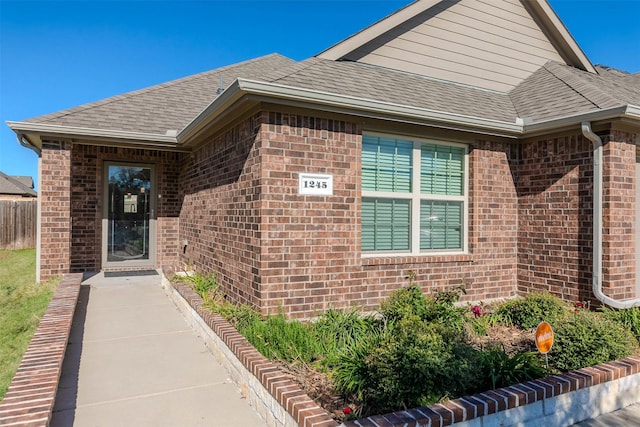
(597,223)
(73,132)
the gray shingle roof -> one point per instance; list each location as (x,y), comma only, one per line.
(382,84)
(555,90)
(14,185)
(558,90)
(167,106)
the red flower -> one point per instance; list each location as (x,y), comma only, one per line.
(477,310)
(347,410)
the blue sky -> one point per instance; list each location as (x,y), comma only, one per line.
(60,54)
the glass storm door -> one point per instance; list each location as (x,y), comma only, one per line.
(129,222)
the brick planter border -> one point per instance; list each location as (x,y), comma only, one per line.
(31,395)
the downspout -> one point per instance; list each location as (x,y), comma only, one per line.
(597,223)
(25,143)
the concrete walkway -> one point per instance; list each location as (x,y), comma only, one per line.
(626,417)
(132,360)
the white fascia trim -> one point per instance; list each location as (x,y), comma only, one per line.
(633,112)
(351,104)
(624,111)
(75,132)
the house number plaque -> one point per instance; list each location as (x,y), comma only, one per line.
(315,184)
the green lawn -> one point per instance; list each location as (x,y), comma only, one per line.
(22,304)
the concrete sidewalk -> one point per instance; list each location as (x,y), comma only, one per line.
(132,360)
(626,417)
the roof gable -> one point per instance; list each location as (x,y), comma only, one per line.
(491,44)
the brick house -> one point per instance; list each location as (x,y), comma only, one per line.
(472,143)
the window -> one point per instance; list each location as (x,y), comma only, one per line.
(413,196)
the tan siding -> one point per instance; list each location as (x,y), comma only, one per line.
(491,44)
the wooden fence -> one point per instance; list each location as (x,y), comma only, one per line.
(18,223)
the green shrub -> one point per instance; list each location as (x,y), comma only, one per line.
(585,338)
(529,311)
(629,317)
(480,325)
(241,316)
(414,363)
(439,307)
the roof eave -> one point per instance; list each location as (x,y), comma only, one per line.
(34,131)
(625,112)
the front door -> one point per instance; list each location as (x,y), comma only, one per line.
(128,226)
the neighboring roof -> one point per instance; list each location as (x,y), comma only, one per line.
(16,185)
(172,115)
(490,44)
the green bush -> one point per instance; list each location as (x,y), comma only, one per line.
(586,338)
(241,316)
(529,311)
(414,363)
(439,307)
(629,317)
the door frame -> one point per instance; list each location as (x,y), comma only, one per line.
(134,263)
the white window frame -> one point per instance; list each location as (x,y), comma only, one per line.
(416,197)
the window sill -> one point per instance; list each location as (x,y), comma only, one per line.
(415,259)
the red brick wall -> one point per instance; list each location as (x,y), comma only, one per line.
(55,194)
(72,183)
(220,216)
(235,201)
(244,219)
(310,244)
(555,217)
(619,241)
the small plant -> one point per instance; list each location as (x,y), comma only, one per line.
(278,338)
(203,284)
(338,330)
(437,307)
(529,311)
(586,338)
(503,370)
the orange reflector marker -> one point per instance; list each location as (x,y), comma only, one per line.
(544,337)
